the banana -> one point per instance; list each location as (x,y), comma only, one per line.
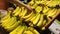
(13,20)
(37,2)
(21,30)
(31,3)
(17,12)
(17,9)
(36,19)
(34,6)
(28,32)
(52,3)
(43,2)
(34,31)
(5,21)
(8,22)
(16,30)
(46,9)
(48,18)
(24,13)
(25,17)
(51,11)
(38,9)
(40,23)
(44,22)
(10,28)
(32,19)
(58,11)
(28,19)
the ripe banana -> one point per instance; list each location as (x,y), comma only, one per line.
(40,23)
(51,11)
(27,32)
(16,30)
(28,19)
(5,21)
(8,22)
(17,12)
(10,28)
(34,31)
(17,9)
(32,19)
(36,19)
(38,9)
(44,22)
(46,9)
(52,3)
(31,3)
(27,16)
(34,6)
(24,13)
(13,20)
(21,30)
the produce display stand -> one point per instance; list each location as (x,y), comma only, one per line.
(30,9)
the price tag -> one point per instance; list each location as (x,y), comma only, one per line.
(55,27)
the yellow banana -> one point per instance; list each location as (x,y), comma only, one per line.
(58,11)
(27,16)
(51,11)
(17,9)
(28,19)
(13,20)
(44,22)
(24,13)
(31,3)
(18,12)
(27,32)
(8,22)
(37,2)
(36,19)
(46,9)
(38,9)
(34,6)
(43,2)
(52,3)
(40,23)
(21,30)
(34,31)
(5,21)
(10,28)
(16,30)
(48,18)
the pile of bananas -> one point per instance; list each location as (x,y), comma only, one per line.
(13,25)
(24,30)
(43,11)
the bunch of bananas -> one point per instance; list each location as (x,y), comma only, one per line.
(43,11)
(24,30)
(10,22)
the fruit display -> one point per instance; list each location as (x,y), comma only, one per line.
(43,11)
